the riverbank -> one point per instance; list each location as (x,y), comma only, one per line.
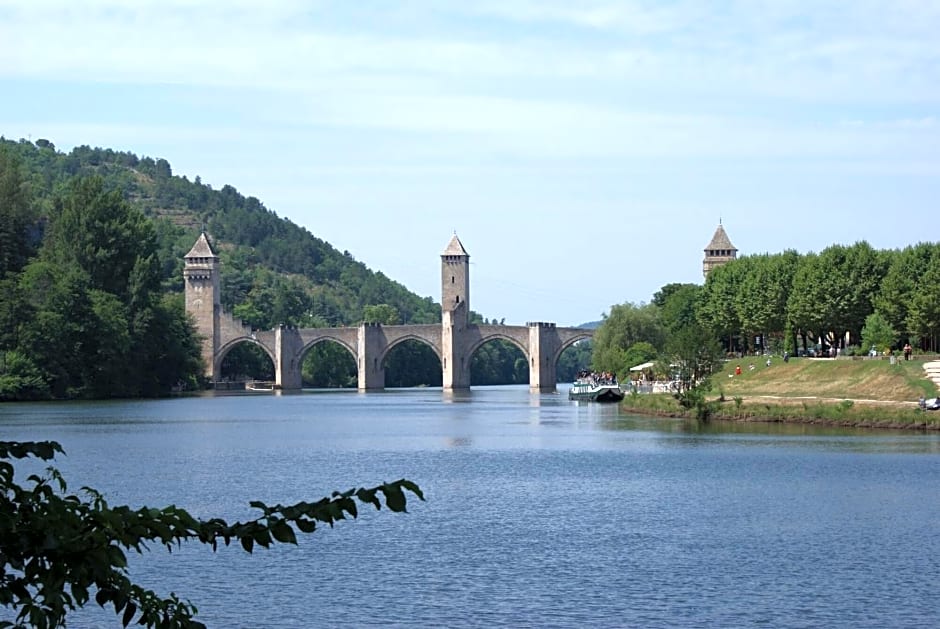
(841,392)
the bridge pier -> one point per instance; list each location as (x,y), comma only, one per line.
(543,345)
(287,347)
(371,370)
(455,364)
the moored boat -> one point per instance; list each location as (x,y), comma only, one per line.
(590,390)
(259,385)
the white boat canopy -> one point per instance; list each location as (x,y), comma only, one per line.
(643,366)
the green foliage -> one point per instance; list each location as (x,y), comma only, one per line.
(258,241)
(412,363)
(20,378)
(88,311)
(329,364)
(498,362)
(626,325)
(923,316)
(98,232)
(834,291)
(717,309)
(877,332)
(247,361)
(640,353)
(900,284)
(385,314)
(678,309)
(574,359)
(17,215)
(762,299)
(59,550)
(694,399)
(695,355)
(661,296)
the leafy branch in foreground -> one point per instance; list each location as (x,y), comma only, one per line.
(57,548)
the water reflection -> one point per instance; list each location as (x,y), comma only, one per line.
(781,433)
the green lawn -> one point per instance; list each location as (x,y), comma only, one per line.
(844,378)
(845,392)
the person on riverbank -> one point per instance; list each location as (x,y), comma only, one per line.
(907,351)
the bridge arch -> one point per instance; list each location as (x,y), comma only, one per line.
(524,348)
(247,364)
(409,337)
(410,359)
(326,361)
(568,343)
(230,345)
(326,339)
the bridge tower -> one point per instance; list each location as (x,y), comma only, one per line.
(455,314)
(203,297)
(719,251)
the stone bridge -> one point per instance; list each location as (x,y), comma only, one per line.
(454,340)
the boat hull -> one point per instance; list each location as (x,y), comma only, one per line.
(602,393)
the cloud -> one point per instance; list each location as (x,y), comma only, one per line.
(527,80)
(800,51)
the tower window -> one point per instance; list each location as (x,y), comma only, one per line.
(451,279)
(458,299)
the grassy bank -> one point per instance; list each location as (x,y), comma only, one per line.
(862,393)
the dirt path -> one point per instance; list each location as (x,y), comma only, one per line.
(816,398)
(933,371)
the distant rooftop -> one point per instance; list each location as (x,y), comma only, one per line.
(202,248)
(455,248)
(720,240)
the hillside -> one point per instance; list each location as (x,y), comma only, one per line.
(273,271)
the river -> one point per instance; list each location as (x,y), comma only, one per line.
(540,512)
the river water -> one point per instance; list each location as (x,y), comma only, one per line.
(540,512)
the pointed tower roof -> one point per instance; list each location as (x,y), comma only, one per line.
(202,248)
(455,248)
(720,240)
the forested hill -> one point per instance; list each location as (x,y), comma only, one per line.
(273,271)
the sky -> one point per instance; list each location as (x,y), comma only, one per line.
(583,152)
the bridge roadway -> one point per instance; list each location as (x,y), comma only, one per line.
(370,343)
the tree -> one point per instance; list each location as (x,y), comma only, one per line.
(763,293)
(381,313)
(412,363)
(694,355)
(640,353)
(678,310)
(573,360)
(717,305)
(877,332)
(898,287)
(16,215)
(626,325)
(923,317)
(329,364)
(498,362)
(661,296)
(808,307)
(59,550)
(834,291)
(100,233)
